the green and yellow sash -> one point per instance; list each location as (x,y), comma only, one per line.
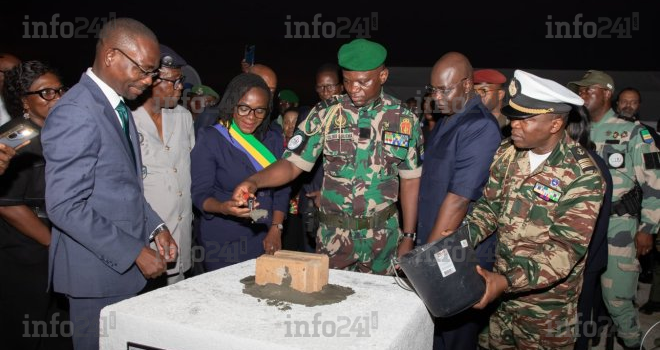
(257,153)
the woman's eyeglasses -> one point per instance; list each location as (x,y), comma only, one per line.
(49,94)
(244,111)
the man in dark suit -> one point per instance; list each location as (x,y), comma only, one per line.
(102,224)
(456,166)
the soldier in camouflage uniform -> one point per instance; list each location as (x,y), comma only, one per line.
(543,197)
(632,157)
(368,141)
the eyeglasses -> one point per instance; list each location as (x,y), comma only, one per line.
(443,91)
(483,91)
(244,111)
(320,88)
(143,72)
(49,94)
(176,82)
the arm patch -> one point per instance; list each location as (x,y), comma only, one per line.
(652,160)
(297,142)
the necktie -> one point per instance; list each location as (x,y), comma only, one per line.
(122,109)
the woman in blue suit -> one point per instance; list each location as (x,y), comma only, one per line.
(223,156)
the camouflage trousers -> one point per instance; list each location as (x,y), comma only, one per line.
(619,281)
(529,329)
(369,251)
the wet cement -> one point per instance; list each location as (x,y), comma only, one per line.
(282,296)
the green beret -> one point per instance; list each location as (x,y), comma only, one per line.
(204,90)
(288,95)
(361,55)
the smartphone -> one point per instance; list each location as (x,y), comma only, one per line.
(18,134)
(249,55)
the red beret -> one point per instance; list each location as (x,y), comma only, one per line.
(489,76)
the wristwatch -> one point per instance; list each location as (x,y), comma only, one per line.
(158,230)
(411,235)
(279,227)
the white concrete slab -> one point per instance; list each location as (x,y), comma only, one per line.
(211,312)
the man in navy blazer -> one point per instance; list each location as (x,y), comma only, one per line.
(457,158)
(102,224)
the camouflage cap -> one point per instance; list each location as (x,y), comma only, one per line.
(361,55)
(593,77)
(204,90)
(288,95)
(532,95)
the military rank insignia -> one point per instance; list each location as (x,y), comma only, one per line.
(646,136)
(396,139)
(546,193)
(405,126)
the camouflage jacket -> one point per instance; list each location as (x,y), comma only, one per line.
(364,151)
(630,153)
(544,220)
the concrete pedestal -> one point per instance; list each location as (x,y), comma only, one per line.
(211,312)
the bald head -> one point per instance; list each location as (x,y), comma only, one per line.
(453,63)
(451,79)
(267,74)
(7,62)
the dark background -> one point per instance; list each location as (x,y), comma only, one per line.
(211,35)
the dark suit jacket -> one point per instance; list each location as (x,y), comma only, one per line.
(457,158)
(217,168)
(94,197)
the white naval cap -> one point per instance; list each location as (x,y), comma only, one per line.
(532,95)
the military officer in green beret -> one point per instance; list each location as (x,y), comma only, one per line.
(543,196)
(634,162)
(372,148)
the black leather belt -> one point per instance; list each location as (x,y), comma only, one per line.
(376,221)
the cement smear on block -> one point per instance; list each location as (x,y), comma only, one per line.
(281,296)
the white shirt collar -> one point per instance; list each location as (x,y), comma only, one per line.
(109,93)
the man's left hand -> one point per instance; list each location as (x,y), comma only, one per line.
(166,246)
(643,243)
(496,284)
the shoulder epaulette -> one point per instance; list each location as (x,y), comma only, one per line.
(584,161)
